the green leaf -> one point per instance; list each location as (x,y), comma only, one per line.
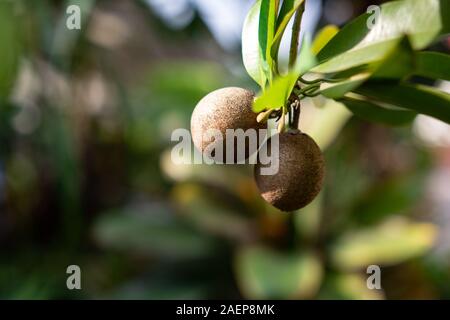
(347,38)
(323,37)
(421,20)
(418,98)
(150,233)
(338,90)
(274,97)
(266,33)
(397,64)
(211,216)
(287,11)
(393,242)
(396,195)
(348,287)
(10,47)
(306,59)
(433,65)
(350,59)
(251,53)
(279,92)
(265,274)
(370,111)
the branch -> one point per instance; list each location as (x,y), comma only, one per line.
(293,52)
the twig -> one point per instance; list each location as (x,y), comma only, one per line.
(296,118)
(293,52)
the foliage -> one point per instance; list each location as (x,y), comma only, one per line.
(86,176)
(356,59)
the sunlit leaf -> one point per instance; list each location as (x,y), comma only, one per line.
(398,63)
(421,20)
(251,52)
(266,274)
(347,38)
(266,33)
(279,92)
(339,89)
(287,11)
(323,37)
(349,287)
(353,58)
(275,97)
(392,242)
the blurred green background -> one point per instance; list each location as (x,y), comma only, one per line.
(86,177)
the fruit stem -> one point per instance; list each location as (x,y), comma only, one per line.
(296,117)
(308,91)
(293,52)
(282,122)
(264,116)
(319,81)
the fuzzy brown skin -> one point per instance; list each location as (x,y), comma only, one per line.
(300,176)
(227,108)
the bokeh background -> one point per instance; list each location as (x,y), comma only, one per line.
(86,176)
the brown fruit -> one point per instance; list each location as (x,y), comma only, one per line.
(227,108)
(300,175)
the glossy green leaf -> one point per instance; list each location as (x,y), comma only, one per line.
(323,37)
(279,92)
(393,242)
(353,58)
(433,65)
(417,98)
(251,53)
(347,38)
(266,274)
(338,90)
(275,96)
(266,33)
(287,11)
(370,111)
(421,20)
(398,63)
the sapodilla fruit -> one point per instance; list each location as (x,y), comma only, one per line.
(227,108)
(300,174)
